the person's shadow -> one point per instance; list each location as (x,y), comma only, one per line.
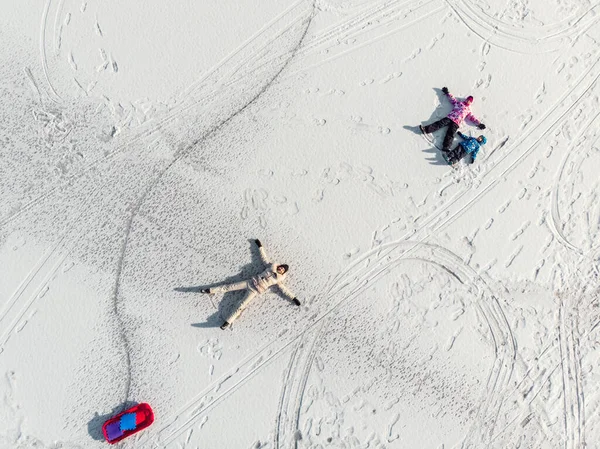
(230,300)
(95,424)
(437,137)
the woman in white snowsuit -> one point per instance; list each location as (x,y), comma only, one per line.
(274,274)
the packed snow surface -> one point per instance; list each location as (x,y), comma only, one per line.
(145,145)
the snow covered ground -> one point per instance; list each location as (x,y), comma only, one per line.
(145,145)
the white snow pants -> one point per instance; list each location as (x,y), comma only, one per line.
(248,297)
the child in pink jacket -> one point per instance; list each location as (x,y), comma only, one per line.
(460,111)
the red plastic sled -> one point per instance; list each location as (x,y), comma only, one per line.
(127,423)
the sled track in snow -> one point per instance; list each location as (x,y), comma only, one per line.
(362,24)
(209,88)
(216,79)
(152,185)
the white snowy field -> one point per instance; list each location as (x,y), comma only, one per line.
(145,145)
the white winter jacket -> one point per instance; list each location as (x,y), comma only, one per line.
(268,278)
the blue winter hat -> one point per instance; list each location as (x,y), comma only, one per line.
(483,140)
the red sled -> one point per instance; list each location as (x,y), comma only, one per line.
(127,423)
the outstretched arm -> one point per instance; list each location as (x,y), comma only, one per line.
(462,136)
(449,95)
(288,294)
(474,119)
(263,253)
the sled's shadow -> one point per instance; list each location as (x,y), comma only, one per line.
(95,424)
(433,149)
(229,300)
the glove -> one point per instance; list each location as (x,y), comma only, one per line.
(296,301)
(445,90)
(258,243)
(481,126)
(472,160)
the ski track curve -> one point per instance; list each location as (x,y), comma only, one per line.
(576,150)
(505,345)
(43,43)
(543,39)
(31,287)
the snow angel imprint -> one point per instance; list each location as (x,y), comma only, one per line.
(274,274)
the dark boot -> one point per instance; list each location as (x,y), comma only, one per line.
(297,301)
(205,290)
(224,325)
(456,154)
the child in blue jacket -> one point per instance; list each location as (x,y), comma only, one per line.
(470,145)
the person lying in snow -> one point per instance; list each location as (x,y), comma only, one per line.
(460,111)
(274,274)
(470,146)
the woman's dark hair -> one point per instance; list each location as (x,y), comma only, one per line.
(285,267)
